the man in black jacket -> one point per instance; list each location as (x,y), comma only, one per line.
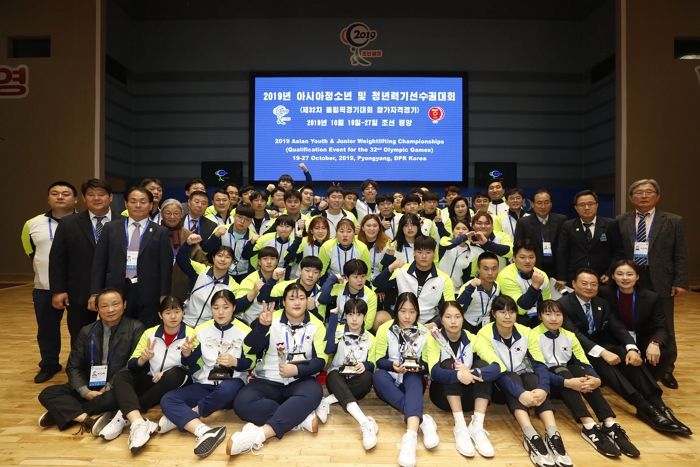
(542,230)
(100,351)
(134,255)
(588,241)
(72,252)
(613,353)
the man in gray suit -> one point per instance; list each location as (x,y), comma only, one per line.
(655,241)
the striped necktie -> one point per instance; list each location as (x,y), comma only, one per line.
(589,318)
(641,237)
(98,226)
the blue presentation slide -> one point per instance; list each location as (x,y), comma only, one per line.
(353,128)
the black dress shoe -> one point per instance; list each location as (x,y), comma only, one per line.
(657,420)
(684,429)
(46,373)
(669,381)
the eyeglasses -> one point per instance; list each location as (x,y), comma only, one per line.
(644,192)
(507,312)
(586,205)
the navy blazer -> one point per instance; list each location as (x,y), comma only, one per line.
(609,331)
(530,227)
(155,261)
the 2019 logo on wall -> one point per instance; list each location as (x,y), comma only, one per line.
(357,37)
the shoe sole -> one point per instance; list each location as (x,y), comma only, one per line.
(487,455)
(210,447)
(596,447)
(101,422)
(527,449)
(314,425)
(662,429)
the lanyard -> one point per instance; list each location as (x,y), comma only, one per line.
(281,247)
(50,230)
(126,232)
(512,228)
(488,302)
(352,251)
(405,252)
(215,280)
(92,351)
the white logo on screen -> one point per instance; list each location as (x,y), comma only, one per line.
(280,112)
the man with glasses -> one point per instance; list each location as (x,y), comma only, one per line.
(588,241)
(542,230)
(655,241)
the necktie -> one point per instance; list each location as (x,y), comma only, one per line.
(642,237)
(98,226)
(193,225)
(587,229)
(589,318)
(134,245)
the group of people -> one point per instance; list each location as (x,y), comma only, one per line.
(243,303)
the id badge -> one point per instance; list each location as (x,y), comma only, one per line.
(98,376)
(641,250)
(547,248)
(132,259)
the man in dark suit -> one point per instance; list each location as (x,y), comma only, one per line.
(613,353)
(134,255)
(655,241)
(72,252)
(195,221)
(589,241)
(542,230)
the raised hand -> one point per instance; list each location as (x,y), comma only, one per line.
(148,352)
(187,347)
(278,273)
(194,239)
(537,280)
(265,316)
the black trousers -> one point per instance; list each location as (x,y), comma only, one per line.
(135,390)
(633,383)
(78,317)
(670,349)
(528,381)
(48,334)
(146,313)
(350,389)
(573,400)
(438,392)
(64,404)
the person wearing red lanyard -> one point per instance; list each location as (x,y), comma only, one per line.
(641,312)
(37,238)
(614,354)
(135,256)
(462,369)
(136,390)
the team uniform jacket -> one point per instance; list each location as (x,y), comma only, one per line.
(560,348)
(340,294)
(240,264)
(469,346)
(519,358)
(310,340)
(165,356)
(387,349)
(37,237)
(476,303)
(334,257)
(335,345)
(437,288)
(203,358)
(286,257)
(521,290)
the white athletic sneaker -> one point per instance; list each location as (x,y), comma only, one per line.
(251,438)
(207,443)
(463,442)
(309,424)
(323,410)
(369,433)
(407,454)
(114,428)
(165,425)
(429,430)
(140,433)
(480,437)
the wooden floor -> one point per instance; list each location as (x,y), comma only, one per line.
(22,442)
